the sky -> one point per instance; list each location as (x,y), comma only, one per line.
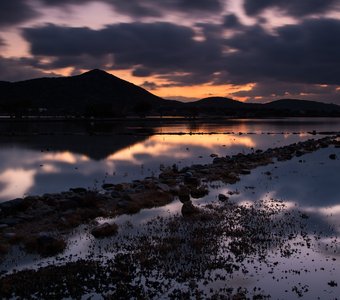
(249,50)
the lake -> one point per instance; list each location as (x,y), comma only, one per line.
(48,157)
(53,157)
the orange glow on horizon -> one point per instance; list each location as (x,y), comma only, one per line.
(191,92)
(203,91)
(174,92)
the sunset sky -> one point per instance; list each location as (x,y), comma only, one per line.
(251,50)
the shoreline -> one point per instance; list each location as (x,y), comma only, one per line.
(67,210)
(156,119)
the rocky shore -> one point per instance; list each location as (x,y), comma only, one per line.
(40,224)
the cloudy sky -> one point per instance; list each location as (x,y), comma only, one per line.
(251,50)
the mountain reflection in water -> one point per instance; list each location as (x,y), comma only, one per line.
(52,157)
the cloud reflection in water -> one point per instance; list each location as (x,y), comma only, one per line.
(56,170)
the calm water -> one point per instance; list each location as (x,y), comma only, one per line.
(72,156)
(52,157)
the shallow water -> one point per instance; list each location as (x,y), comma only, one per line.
(39,158)
(56,157)
(308,184)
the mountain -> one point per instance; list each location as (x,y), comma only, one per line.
(218,102)
(94,93)
(100,94)
(301,105)
(278,108)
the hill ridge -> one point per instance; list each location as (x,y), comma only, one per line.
(101,94)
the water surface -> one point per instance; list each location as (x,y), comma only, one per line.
(37,158)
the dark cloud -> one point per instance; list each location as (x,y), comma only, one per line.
(151,8)
(291,7)
(141,72)
(303,53)
(272,90)
(2,42)
(232,21)
(83,61)
(300,55)
(149,85)
(16,69)
(15,11)
(149,48)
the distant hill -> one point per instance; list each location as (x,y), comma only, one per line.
(218,102)
(215,106)
(100,94)
(278,108)
(306,105)
(95,93)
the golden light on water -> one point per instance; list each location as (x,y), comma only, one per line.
(16,182)
(177,146)
(66,157)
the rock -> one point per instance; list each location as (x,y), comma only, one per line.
(199,192)
(188,174)
(46,210)
(25,217)
(332,283)
(191,180)
(122,204)
(9,235)
(104,230)
(233,192)
(189,210)
(299,153)
(108,186)
(197,167)
(13,205)
(184,194)
(220,160)
(78,190)
(65,204)
(119,187)
(184,170)
(10,221)
(146,199)
(115,194)
(223,198)
(174,168)
(139,188)
(205,171)
(230,178)
(45,245)
(167,176)
(245,172)
(332,156)
(164,187)
(213,155)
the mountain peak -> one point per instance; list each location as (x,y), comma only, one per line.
(96,73)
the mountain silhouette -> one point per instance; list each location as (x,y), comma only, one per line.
(95,92)
(99,94)
(294,104)
(219,102)
(278,108)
